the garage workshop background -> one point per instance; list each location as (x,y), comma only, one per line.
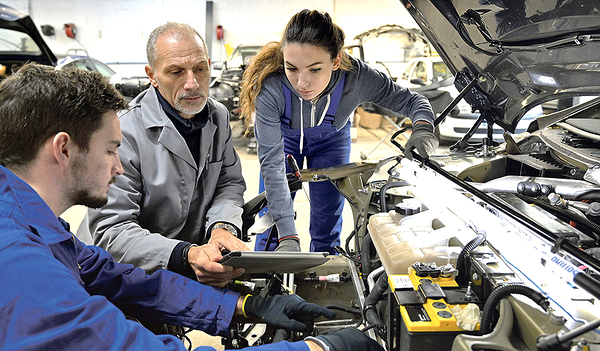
(116,31)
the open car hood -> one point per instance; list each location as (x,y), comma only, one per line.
(520,52)
(17,49)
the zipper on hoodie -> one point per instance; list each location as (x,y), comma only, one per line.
(313,111)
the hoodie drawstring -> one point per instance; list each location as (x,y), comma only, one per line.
(301,127)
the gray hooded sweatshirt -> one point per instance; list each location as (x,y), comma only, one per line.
(363,84)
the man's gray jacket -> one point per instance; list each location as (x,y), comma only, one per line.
(163,197)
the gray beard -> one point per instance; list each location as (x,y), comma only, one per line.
(182,109)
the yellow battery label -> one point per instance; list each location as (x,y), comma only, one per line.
(434,315)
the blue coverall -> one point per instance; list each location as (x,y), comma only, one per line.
(322,146)
(58,294)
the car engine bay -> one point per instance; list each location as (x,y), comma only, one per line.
(500,254)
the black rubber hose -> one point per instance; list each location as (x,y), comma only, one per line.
(350,236)
(501,292)
(584,221)
(355,311)
(384,188)
(462,261)
(353,234)
(370,312)
(365,256)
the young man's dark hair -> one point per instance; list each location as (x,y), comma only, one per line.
(39,101)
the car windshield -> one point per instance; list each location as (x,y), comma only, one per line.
(89,65)
(440,71)
(17,43)
(104,69)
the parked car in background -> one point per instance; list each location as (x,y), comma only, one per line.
(424,74)
(130,86)
(84,62)
(225,88)
(389,47)
(21,42)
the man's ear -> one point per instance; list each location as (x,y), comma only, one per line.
(151,74)
(62,148)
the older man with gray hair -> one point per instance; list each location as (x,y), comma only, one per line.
(179,202)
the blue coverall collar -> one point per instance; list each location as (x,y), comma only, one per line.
(35,212)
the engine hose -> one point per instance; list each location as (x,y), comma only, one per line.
(357,226)
(384,188)
(365,256)
(355,311)
(461,262)
(590,225)
(350,236)
(501,292)
(370,312)
(372,278)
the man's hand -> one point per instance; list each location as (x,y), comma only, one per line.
(224,240)
(203,260)
(421,140)
(284,311)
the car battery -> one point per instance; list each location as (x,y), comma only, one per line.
(420,316)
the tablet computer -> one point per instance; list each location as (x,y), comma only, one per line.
(274,262)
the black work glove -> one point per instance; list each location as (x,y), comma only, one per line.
(347,339)
(422,140)
(285,311)
(289,243)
